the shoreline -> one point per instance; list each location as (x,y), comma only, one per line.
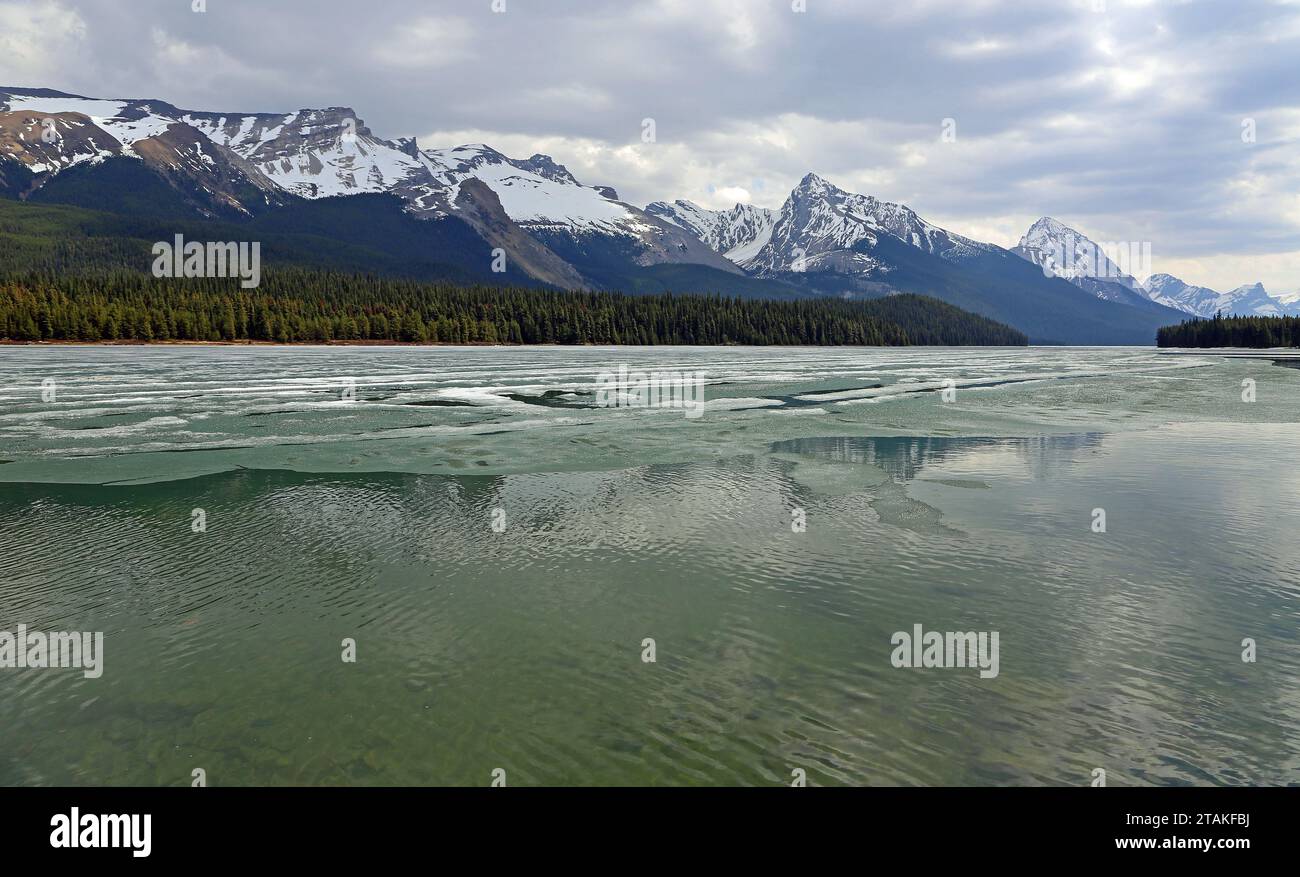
(1260,352)
(377,343)
(359,343)
(1234,352)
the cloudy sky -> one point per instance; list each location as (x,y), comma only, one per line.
(1171,122)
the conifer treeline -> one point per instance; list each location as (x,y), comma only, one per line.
(1224,331)
(303,305)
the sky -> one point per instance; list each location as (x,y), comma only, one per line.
(1174,123)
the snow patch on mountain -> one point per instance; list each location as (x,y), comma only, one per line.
(533,192)
(125,121)
(739,233)
(313,153)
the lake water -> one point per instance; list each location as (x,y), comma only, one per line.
(500,548)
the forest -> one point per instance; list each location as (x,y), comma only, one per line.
(1221,331)
(306,305)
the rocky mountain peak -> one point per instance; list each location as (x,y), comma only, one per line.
(545,166)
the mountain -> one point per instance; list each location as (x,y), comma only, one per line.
(738,233)
(230,165)
(823,227)
(323,153)
(601,235)
(818,228)
(1062,251)
(1248,300)
(1252,299)
(452,212)
(50,137)
(827,241)
(123,154)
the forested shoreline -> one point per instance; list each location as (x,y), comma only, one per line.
(299,305)
(1221,331)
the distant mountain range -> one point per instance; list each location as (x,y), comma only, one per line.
(446,211)
(1064,252)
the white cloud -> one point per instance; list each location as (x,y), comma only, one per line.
(426,43)
(179,63)
(37,41)
(1125,123)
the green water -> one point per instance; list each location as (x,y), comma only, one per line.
(522,649)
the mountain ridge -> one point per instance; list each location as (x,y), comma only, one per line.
(835,242)
(823,241)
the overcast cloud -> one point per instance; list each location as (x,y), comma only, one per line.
(1126,123)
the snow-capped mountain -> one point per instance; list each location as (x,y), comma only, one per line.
(738,233)
(821,227)
(828,241)
(536,191)
(1166,288)
(52,142)
(1061,251)
(1064,252)
(544,198)
(109,127)
(1248,300)
(443,211)
(1252,298)
(321,153)
(313,153)
(45,134)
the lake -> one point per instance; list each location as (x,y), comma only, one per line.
(568,594)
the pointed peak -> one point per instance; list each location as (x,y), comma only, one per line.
(814,186)
(1049,230)
(1049,223)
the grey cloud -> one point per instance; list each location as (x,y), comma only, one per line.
(1156,93)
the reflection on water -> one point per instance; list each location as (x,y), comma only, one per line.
(903,457)
(522,649)
(133,414)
